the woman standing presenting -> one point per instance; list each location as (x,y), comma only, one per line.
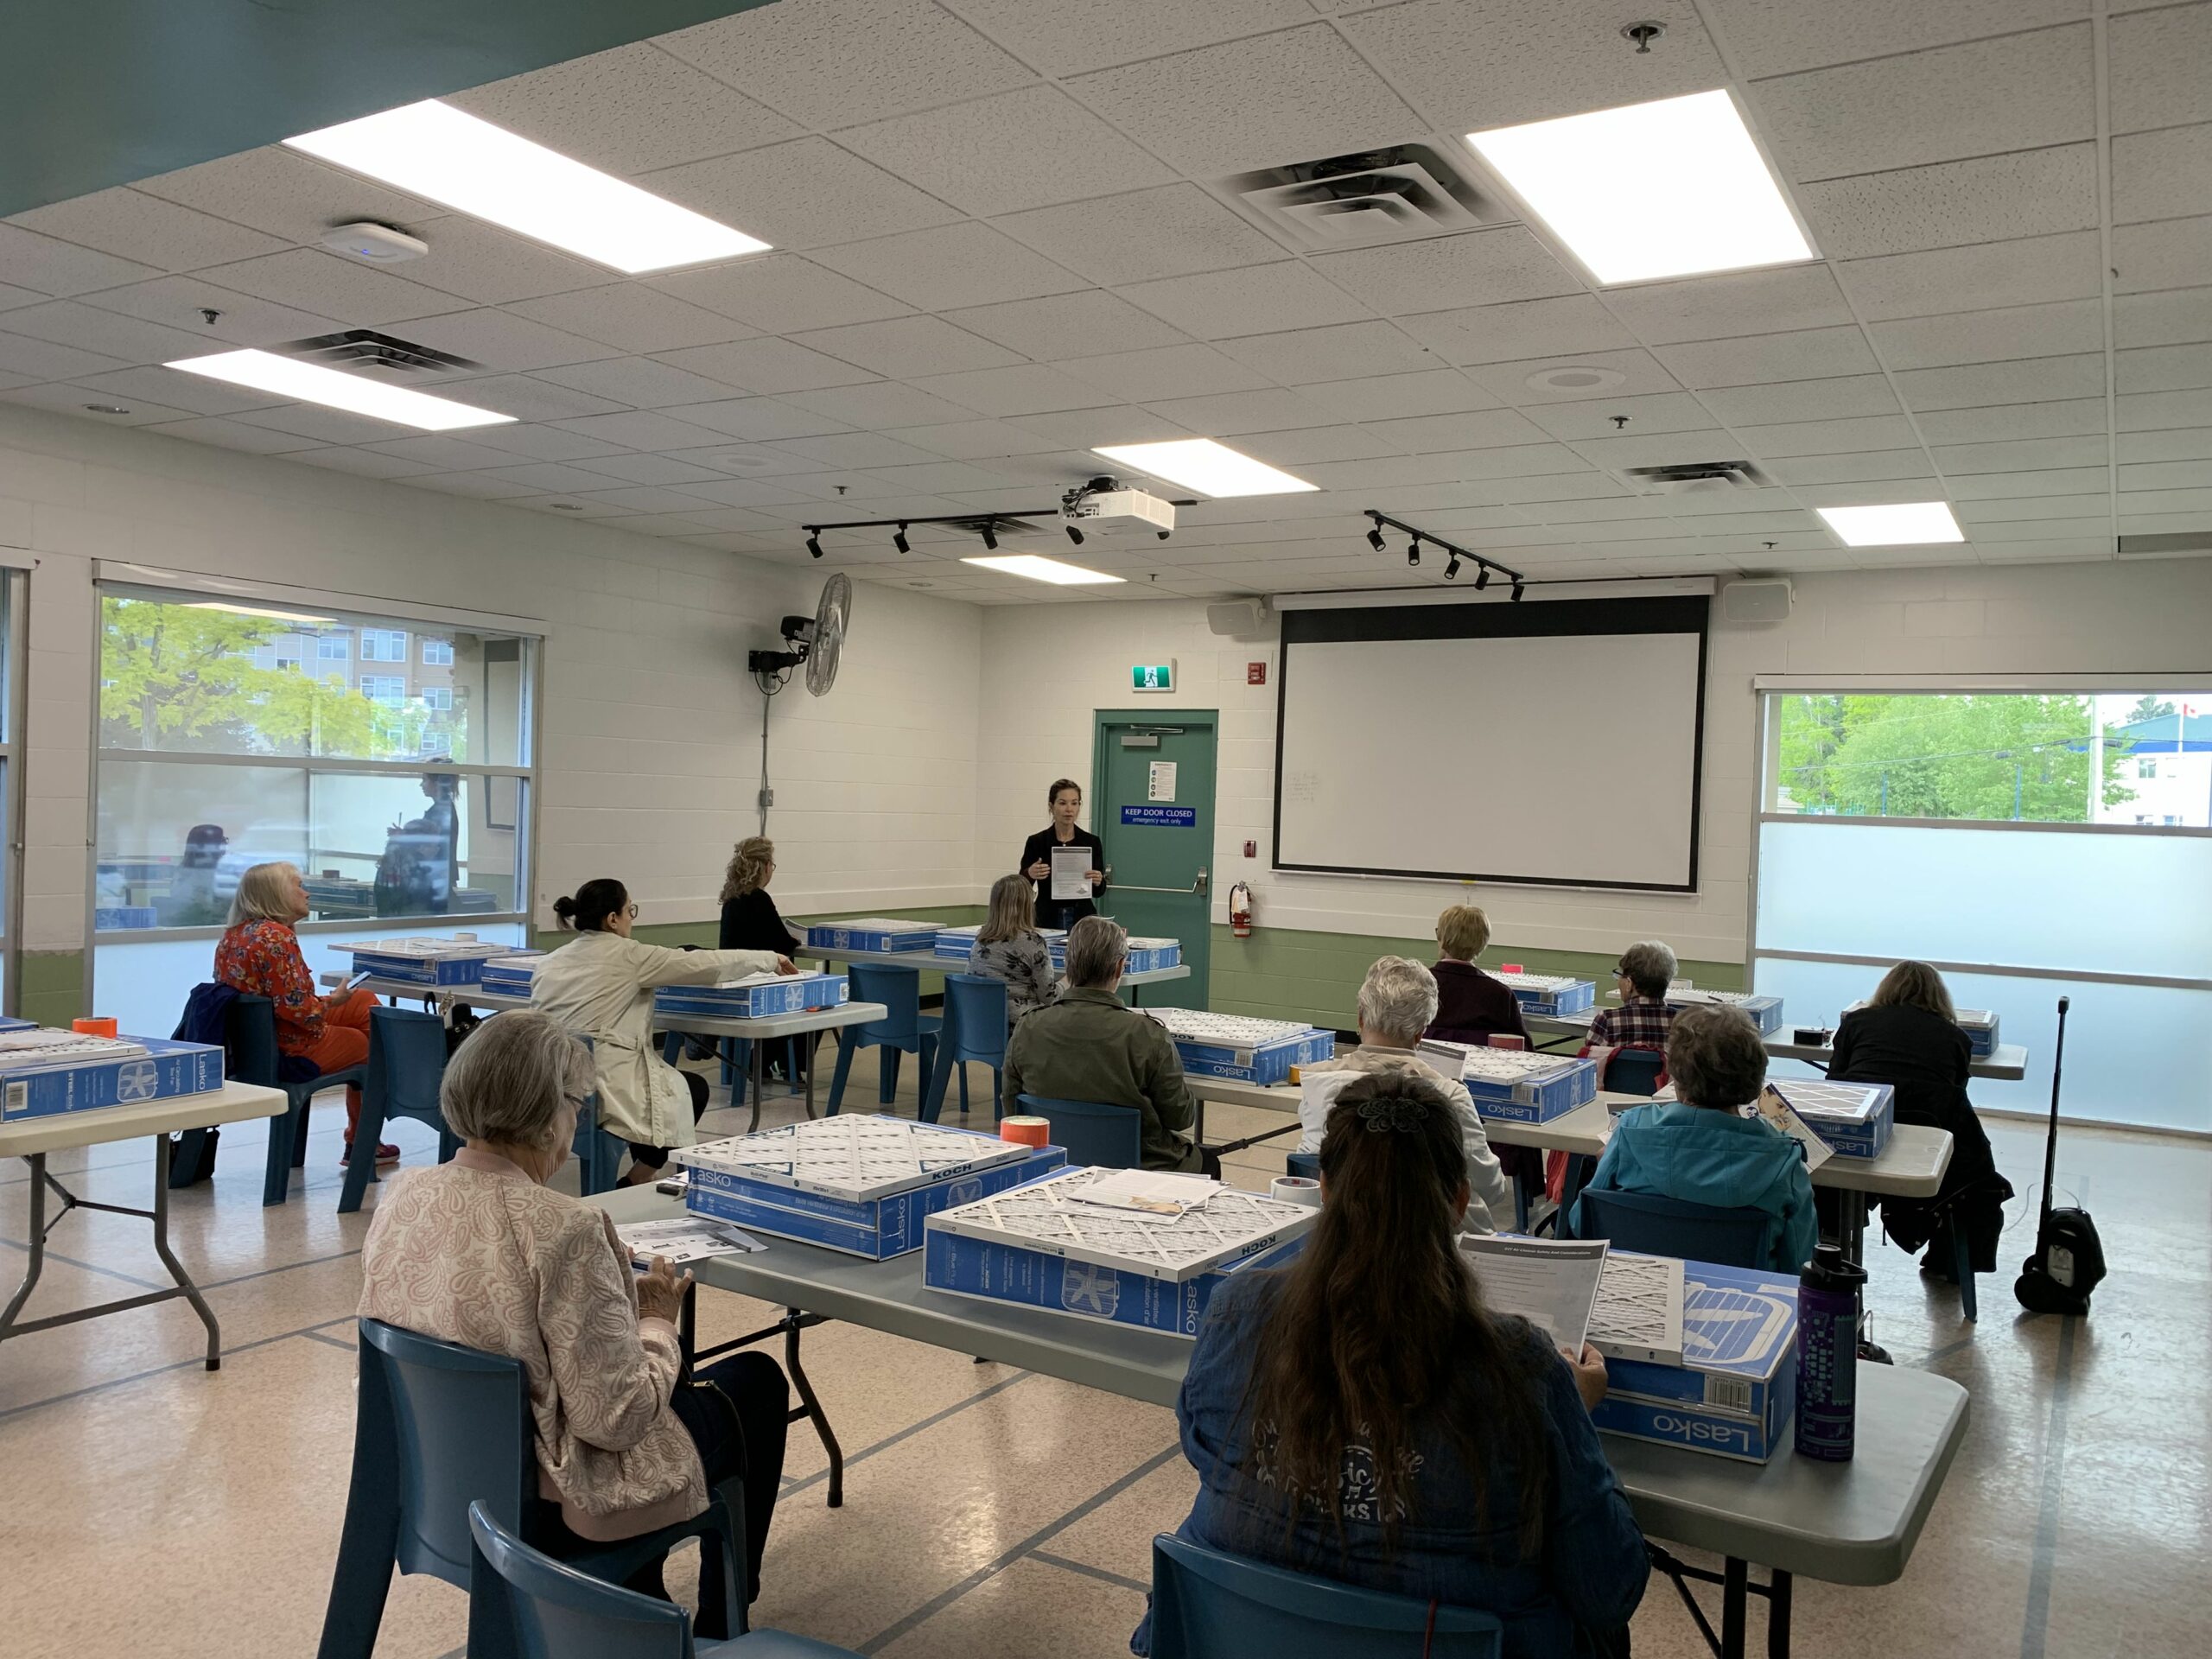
(1066,799)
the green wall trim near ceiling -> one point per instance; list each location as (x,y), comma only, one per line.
(103,92)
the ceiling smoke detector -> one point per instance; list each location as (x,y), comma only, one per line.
(373,244)
(1693,478)
(1370,196)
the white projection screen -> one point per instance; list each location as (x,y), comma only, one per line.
(1555,743)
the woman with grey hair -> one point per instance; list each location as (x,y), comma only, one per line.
(482,1252)
(1701,1149)
(1397,1003)
(260,957)
(1641,976)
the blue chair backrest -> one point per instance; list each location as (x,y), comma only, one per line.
(1634,1071)
(252,1040)
(1307,1164)
(1651,1225)
(461,1431)
(556,1612)
(900,990)
(1209,1605)
(407,1062)
(975,1009)
(1093,1134)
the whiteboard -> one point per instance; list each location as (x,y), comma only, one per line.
(1558,759)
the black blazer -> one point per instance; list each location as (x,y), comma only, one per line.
(751,922)
(1471,1007)
(1061,912)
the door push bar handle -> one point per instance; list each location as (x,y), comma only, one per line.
(1199,885)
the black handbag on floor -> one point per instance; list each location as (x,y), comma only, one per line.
(2070,1259)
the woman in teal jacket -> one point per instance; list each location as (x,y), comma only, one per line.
(1698,1149)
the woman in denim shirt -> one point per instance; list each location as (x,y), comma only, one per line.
(1360,1416)
(1009,947)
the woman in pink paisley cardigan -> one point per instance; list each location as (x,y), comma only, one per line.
(480,1251)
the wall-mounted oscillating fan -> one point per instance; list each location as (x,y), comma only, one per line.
(816,641)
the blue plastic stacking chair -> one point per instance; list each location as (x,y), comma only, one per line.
(552,1611)
(438,1426)
(905,1030)
(1651,1225)
(1307,1164)
(1634,1071)
(974,1029)
(598,1152)
(407,1062)
(251,1044)
(1209,1605)
(1094,1135)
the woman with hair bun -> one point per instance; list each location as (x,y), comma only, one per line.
(1066,798)
(601,985)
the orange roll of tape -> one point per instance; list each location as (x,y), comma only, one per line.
(93,1025)
(1025,1131)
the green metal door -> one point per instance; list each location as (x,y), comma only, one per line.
(1154,809)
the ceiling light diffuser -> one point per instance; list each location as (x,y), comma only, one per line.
(1902,523)
(1201,464)
(1669,188)
(1038,567)
(311,383)
(445,154)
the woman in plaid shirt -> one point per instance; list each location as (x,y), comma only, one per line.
(1645,970)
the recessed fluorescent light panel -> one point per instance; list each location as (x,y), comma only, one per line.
(1038,567)
(442,153)
(1903,524)
(1669,188)
(311,383)
(1208,468)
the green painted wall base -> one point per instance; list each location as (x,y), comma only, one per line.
(52,989)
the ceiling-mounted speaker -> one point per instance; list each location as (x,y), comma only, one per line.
(1241,619)
(1756,601)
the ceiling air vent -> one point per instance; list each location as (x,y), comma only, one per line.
(1351,201)
(2172,545)
(363,349)
(1693,478)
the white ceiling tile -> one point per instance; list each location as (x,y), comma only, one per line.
(1949,280)
(798,194)
(893,402)
(1990,199)
(754,419)
(130,225)
(857,450)
(642,429)
(1345,352)
(630,110)
(943,478)
(838,61)
(324,425)
(2097,523)
(1387,397)
(10,297)
(2020,92)
(66,399)
(2031,380)
(1309,444)
(2022,455)
(557,479)
(41,359)
(951,265)
(2177,316)
(975,440)
(1387,471)
(1867,432)
(242,320)
(2170,474)
(766,366)
(1450,272)
(1773,37)
(502,341)
(1294,95)
(482,263)
(46,266)
(1662,411)
(1259,299)
(632,317)
(1659,449)
(1520,461)
(568,505)
(2158,523)
(752,463)
(67,322)
(2156,63)
(528,398)
(902,347)
(1639,371)
(638,382)
(2035,508)
(364,463)
(651,498)
(1808,354)
(1801,400)
(1490,333)
(1076,38)
(1997,487)
(286,193)
(1739,303)
(1163,372)
(311,280)
(2162,175)
(449,454)
(1226,413)
(193,392)
(2071,417)
(745,492)
(1080,429)
(781,293)
(1506,62)
(1170,231)
(2175,254)
(1489,428)
(234,435)
(1057,324)
(1019,149)
(2023,331)
(1873,465)
(2149,411)
(2166,368)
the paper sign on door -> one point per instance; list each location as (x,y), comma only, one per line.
(1161,785)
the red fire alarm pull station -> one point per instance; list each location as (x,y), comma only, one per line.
(1255,673)
(1251,850)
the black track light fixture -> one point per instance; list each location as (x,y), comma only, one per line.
(1452,568)
(899,540)
(814,543)
(990,538)
(1456,558)
(1075,535)
(1413,552)
(1374,539)
(1518,591)
(1482,578)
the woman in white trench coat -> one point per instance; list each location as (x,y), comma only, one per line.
(601,985)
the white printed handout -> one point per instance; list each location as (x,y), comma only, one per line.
(691,1238)
(1552,1283)
(1070,872)
(1149,1194)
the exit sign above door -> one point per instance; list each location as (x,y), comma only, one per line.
(1152,676)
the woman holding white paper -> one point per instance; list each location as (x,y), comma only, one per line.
(1063,841)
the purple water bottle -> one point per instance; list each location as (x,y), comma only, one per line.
(1828,1292)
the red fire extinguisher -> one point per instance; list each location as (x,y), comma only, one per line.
(1240,911)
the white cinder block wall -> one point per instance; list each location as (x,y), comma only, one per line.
(650,729)
(1046,668)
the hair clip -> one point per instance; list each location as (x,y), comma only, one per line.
(1396,1112)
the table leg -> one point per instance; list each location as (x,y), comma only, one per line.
(813,1054)
(177,1270)
(1777,1615)
(1733,1594)
(757,1068)
(812,1407)
(37,1265)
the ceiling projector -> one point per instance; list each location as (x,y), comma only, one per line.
(1108,508)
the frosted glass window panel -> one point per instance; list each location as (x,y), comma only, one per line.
(2088,902)
(2134,1053)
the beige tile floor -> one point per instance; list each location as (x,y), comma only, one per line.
(148,1507)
